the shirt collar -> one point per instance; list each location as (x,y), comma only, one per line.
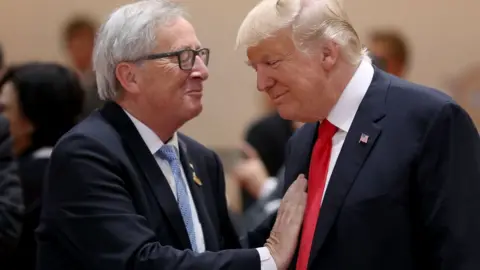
(344,111)
(151,139)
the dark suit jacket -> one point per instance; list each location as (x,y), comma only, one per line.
(107,204)
(407,199)
(11,206)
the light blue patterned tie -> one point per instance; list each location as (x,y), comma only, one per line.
(168,153)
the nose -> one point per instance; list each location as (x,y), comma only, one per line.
(264,81)
(199,70)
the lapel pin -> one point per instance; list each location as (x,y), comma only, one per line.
(195,177)
(197,180)
(363,138)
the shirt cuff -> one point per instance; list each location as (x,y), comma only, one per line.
(266,260)
(268,187)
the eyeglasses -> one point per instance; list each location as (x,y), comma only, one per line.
(185,58)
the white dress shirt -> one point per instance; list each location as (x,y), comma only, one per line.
(154,143)
(344,111)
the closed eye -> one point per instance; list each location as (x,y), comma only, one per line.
(273,63)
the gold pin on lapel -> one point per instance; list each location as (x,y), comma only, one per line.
(195,177)
(197,180)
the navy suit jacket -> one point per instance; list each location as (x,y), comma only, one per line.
(107,205)
(407,199)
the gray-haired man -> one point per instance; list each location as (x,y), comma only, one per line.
(125,190)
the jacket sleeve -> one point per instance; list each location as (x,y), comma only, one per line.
(89,210)
(448,192)
(11,205)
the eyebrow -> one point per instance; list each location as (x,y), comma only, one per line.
(264,58)
(185,47)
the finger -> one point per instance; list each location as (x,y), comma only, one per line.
(301,176)
(300,183)
(249,151)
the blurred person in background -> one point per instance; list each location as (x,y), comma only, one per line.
(390,51)
(125,189)
(11,200)
(11,204)
(268,136)
(42,101)
(78,38)
(465,89)
(266,191)
(393,167)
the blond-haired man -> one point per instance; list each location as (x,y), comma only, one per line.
(393,167)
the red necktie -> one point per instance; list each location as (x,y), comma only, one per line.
(317,178)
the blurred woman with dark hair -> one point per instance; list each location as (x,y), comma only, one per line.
(42,101)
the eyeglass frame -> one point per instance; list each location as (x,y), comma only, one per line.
(177,54)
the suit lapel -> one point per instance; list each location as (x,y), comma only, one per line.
(352,157)
(115,115)
(197,193)
(304,152)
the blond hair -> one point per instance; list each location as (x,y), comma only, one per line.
(309,21)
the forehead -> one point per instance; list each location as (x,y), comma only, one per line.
(276,46)
(177,34)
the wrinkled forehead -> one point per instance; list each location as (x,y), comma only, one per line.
(177,35)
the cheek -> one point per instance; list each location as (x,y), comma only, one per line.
(173,77)
(167,87)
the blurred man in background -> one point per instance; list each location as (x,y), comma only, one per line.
(390,51)
(78,39)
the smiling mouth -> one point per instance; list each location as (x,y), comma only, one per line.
(275,97)
(195,91)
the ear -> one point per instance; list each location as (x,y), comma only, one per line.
(330,54)
(126,75)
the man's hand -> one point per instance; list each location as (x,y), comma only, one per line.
(284,235)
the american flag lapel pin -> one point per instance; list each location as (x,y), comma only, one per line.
(363,138)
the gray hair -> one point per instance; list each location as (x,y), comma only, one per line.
(129,33)
(309,20)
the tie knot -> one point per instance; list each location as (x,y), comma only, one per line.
(326,130)
(167,152)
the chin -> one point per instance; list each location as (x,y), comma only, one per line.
(287,112)
(294,114)
(194,111)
